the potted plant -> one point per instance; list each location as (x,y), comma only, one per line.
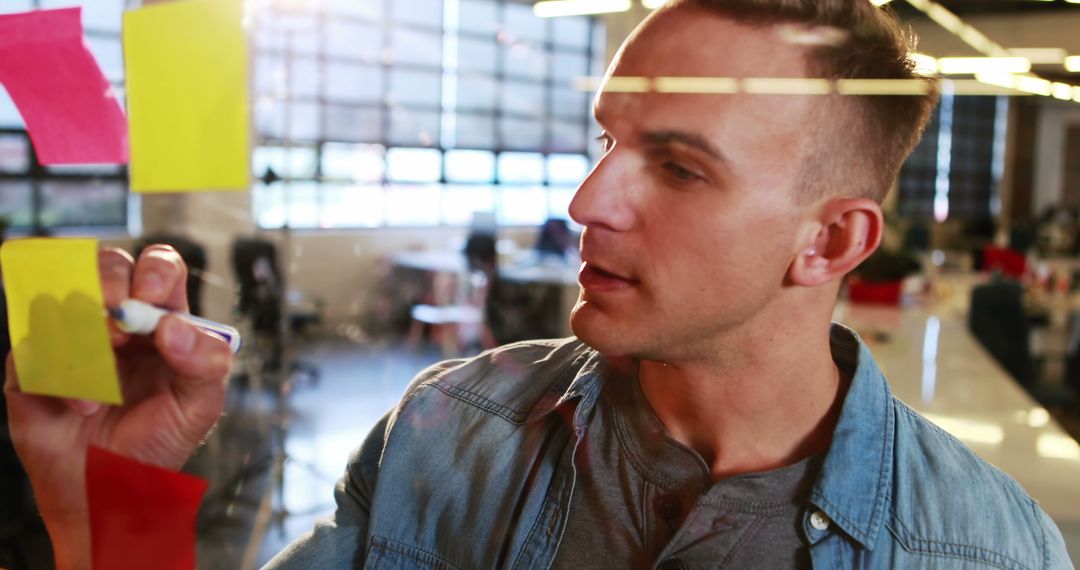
(880,277)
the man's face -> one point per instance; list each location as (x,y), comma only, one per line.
(691,215)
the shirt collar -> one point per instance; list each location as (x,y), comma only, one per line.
(582,381)
(854,484)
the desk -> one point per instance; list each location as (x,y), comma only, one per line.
(938,368)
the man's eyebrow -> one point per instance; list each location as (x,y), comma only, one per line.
(693,140)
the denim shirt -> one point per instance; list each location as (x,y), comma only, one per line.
(475,469)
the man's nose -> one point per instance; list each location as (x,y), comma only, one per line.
(604,199)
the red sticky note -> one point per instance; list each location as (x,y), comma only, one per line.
(141,516)
(69,108)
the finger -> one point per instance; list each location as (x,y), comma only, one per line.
(115,266)
(20,403)
(192,352)
(161,278)
(84,407)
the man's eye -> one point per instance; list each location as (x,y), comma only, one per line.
(679,172)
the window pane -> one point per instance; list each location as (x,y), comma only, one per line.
(412,205)
(419,12)
(568,137)
(568,66)
(571,31)
(101,15)
(523,24)
(352,206)
(414,165)
(295,162)
(367,9)
(353,83)
(477,55)
(571,104)
(478,16)
(523,98)
(475,131)
(305,122)
(567,169)
(84,169)
(415,87)
(14,154)
(16,202)
(416,47)
(522,206)
(476,93)
(521,167)
(269,118)
(9,113)
(91,203)
(357,124)
(268,202)
(470,166)
(414,128)
(353,162)
(304,77)
(461,203)
(270,75)
(109,56)
(302,204)
(343,38)
(525,61)
(559,199)
(15,6)
(520,134)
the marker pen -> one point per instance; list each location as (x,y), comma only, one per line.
(137,317)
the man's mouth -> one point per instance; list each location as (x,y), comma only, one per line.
(594,278)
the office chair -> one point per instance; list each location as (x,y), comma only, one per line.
(997,320)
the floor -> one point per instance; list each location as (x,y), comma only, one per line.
(245,519)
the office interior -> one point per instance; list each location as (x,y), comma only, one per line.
(412,165)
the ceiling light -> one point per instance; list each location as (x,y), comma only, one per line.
(1062,91)
(880,2)
(965,65)
(1072,63)
(924,64)
(1040,55)
(1033,85)
(653,4)
(556,8)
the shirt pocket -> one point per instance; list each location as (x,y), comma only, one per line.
(387,554)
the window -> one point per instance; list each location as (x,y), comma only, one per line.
(953,172)
(34,196)
(421,116)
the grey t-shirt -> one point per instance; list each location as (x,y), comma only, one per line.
(643,499)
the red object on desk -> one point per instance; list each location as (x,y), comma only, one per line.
(1010,262)
(141,516)
(878,292)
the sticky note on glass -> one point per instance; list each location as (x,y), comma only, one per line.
(141,516)
(187,94)
(57,319)
(70,109)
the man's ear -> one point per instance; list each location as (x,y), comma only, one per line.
(843,233)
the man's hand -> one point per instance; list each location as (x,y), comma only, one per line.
(173,384)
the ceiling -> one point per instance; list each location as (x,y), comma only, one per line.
(987,7)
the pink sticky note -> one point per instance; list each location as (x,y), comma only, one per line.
(69,107)
(141,516)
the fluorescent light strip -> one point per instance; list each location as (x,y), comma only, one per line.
(653,4)
(1040,56)
(1072,63)
(697,85)
(557,8)
(1062,91)
(971,65)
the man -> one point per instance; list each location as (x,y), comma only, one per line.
(709,415)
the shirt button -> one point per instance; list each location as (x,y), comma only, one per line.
(673,564)
(819,520)
(668,507)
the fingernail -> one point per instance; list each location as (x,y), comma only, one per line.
(151,285)
(179,337)
(85,407)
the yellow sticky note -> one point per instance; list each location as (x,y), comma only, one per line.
(187,96)
(57,319)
